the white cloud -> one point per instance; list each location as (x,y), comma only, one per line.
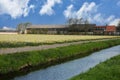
(110,18)
(88,11)
(103,20)
(114,22)
(98,18)
(47,7)
(69,12)
(118,3)
(15,8)
(7,28)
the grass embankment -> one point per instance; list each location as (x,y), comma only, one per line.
(16,40)
(27,60)
(108,70)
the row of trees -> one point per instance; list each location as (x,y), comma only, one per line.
(22,27)
(118,26)
(75,21)
(72,21)
(79,25)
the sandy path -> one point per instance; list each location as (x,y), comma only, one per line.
(41,47)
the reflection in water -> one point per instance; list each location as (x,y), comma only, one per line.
(69,69)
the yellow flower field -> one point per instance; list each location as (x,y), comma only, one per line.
(47,38)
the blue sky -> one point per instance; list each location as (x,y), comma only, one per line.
(101,12)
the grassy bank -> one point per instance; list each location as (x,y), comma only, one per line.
(28,60)
(108,70)
(15,40)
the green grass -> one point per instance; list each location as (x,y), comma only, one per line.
(108,70)
(17,44)
(15,62)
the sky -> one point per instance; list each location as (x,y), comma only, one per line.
(99,12)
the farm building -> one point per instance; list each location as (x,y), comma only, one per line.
(47,29)
(60,29)
(81,28)
(99,30)
(110,30)
(9,31)
(104,30)
(88,29)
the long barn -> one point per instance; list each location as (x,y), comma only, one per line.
(60,29)
(47,29)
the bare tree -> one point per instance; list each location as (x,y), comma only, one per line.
(69,21)
(118,26)
(80,21)
(74,21)
(22,27)
(86,22)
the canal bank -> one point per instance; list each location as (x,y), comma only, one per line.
(108,70)
(15,64)
(69,69)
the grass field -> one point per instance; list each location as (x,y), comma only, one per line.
(14,62)
(108,70)
(15,40)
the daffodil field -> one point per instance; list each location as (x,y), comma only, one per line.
(18,40)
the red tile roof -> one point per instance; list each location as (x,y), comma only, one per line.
(110,28)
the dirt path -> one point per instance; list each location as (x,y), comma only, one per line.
(41,47)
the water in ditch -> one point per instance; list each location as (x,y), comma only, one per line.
(69,69)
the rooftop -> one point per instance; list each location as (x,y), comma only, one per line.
(110,28)
(47,26)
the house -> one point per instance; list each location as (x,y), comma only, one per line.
(104,30)
(99,30)
(110,30)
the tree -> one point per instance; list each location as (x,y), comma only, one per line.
(80,21)
(69,21)
(22,27)
(27,24)
(79,25)
(86,22)
(118,26)
(75,21)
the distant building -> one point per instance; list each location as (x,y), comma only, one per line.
(47,29)
(83,29)
(99,30)
(110,30)
(104,30)
(8,31)
(60,29)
